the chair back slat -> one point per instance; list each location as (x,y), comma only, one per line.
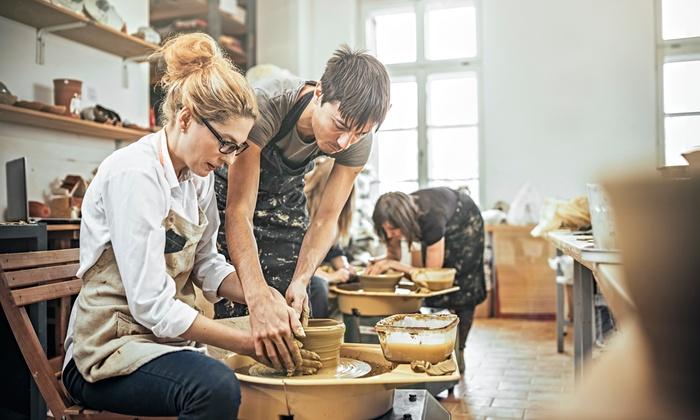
(33,276)
(45,292)
(21,260)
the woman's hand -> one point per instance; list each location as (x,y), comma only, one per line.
(308,364)
(380,266)
(341,275)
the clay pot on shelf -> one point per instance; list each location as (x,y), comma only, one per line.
(68,92)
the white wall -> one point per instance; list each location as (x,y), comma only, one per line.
(569,92)
(568,85)
(54,154)
(301,35)
(277,28)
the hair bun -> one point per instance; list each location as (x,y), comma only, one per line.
(198,77)
(187,54)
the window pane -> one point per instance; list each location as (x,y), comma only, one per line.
(472,185)
(682,86)
(682,133)
(450,33)
(405,187)
(398,155)
(680,18)
(404,106)
(452,99)
(394,36)
(453,153)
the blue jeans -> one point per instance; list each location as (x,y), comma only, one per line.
(318,297)
(185,383)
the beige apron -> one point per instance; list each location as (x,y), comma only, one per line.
(107,341)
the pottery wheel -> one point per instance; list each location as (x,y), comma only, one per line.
(346,369)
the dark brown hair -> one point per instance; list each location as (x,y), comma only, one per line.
(360,83)
(401,212)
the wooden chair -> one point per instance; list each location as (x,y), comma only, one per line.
(32,277)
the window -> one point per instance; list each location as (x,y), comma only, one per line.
(431,133)
(678,46)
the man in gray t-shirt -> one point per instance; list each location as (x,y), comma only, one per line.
(275,99)
(268,236)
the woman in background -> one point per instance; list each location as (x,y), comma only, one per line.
(448,226)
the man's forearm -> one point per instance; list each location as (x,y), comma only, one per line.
(317,241)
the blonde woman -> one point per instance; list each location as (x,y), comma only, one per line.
(148,238)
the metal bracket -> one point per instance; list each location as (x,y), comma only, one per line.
(125,72)
(40,37)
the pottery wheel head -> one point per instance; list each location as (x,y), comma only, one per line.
(346,369)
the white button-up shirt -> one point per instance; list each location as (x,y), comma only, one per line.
(124,207)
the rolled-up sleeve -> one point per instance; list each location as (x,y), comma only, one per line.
(135,206)
(210,267)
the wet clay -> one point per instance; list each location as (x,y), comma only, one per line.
(324,337)
(346,369)
(438,369)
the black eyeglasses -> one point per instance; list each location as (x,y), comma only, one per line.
(226,147)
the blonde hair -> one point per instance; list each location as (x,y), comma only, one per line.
(314,184)
(199,77)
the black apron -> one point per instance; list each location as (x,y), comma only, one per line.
(280,219)
(464,251)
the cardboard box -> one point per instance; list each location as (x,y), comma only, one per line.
(525,284)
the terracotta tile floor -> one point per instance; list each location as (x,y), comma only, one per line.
(513,371)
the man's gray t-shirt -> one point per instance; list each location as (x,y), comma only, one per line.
(276,97)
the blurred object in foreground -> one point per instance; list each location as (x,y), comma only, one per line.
(652,369)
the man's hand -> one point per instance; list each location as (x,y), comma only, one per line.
(272,323)
(298,299)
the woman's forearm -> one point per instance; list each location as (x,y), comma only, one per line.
(207,331)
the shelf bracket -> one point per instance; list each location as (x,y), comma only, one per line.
(41,37)
(125,70)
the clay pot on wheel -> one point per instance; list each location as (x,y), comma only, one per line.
(324,336)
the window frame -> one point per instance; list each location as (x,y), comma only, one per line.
(422,68)
(669,51)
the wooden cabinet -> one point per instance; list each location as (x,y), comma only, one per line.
(525,285)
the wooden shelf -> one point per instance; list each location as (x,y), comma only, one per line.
(41,14)
(17,115)
(163,10)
